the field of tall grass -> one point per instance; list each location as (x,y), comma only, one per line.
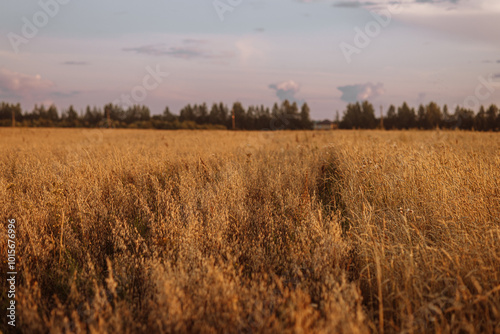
(133,231)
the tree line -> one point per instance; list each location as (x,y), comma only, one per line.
(359,115)
(198,116)
(430,116)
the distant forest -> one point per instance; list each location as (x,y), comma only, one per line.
(280,117)
(431,116)
(219,116)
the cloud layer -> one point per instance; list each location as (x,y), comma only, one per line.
(413,4)
(189,49)
(75,63)
(14,84)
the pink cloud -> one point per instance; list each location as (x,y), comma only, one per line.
(16,84)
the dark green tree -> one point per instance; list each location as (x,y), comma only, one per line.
(305,117)
(464,118)
(263,120)
(421,119)
(7,110)
(447,118)
(391,120)
(498,121)
(168,116)
(278,120)
(201,113)
(433,115)
(293,116)
(369,120)
(240,115)
(250,118)
(187,114)
(480,121)
(406,117)
(70,117)
(353,117)
(92,117)
(491,117)
(41,112)
(52,114)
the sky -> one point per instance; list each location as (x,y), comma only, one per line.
(173,52)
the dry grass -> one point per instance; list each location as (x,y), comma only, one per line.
(349,232)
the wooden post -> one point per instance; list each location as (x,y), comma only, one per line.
(234,120)
(13,117)
(109,117)
(381,117)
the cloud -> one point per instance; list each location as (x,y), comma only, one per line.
(65,94)
(190,49)
(353,4)
(360,92)
(286,90)
(384,3)
(14,84)
(194,41)
(437,1)
(75,63)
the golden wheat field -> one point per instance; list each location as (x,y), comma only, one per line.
(132,231)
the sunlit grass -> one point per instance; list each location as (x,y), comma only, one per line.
(207,231)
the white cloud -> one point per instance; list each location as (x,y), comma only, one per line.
(189,49)
(361,92)
(286,90)
(424,7)
(475,20)
(289,85)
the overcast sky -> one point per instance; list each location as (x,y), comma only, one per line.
(327,53)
